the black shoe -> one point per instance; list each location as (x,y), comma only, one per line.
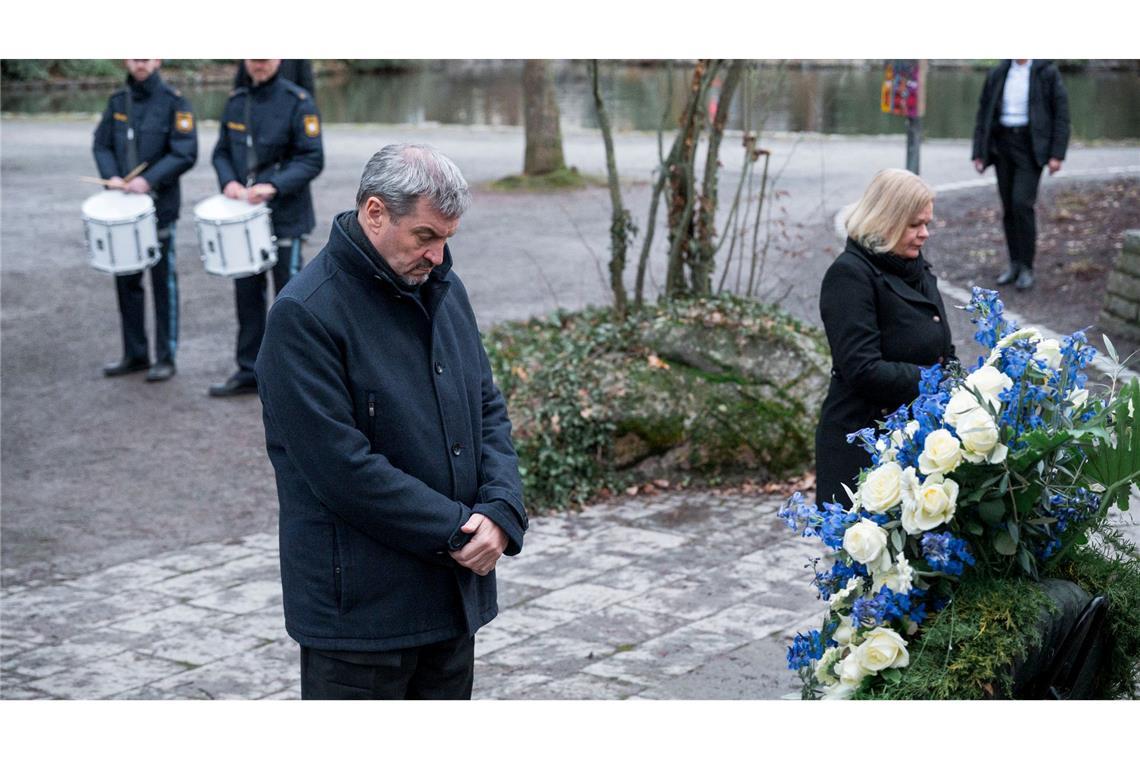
(235,386)
(159,372)
(1025,279)
(1009,275)
(125,367)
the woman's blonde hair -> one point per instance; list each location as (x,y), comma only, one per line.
(881,216)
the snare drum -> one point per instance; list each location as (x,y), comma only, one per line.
(121,230)
(236,238)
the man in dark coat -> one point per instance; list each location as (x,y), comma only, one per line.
(1022,125)
(299,71)
(148,121)
(397,480)
(269,150)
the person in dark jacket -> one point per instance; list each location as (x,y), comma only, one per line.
(885,323)
(397,480)
(148,121)
(299,71)
(1022,126)
(269,150)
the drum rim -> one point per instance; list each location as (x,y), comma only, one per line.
(117,222)
(255,212)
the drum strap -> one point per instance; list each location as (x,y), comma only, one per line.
(132,148)
(250,150)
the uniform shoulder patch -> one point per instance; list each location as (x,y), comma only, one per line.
(184,122)
(312,125)
(119,116)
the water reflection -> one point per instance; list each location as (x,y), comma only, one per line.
(1103,105)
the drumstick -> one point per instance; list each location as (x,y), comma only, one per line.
(136,171)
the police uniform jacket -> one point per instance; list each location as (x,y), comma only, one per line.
(160,122)
(882,332)
(1048,113)
(386,432)
(286,152)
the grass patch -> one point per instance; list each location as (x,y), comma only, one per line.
(567,178)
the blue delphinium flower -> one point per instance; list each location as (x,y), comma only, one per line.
(946,553)
(991,323)
(836,519)
(801,517)
(806,649)
(836,577)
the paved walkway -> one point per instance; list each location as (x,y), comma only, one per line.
(686,595)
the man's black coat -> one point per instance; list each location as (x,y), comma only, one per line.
(386,431)
(1048,113)
(882,333)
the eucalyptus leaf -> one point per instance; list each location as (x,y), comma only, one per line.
(892,675)
(1025,559)
(975,528)
(1004,545)
(897,540)
(1110,349)
(992,511)
(1004,486)
(1014,532)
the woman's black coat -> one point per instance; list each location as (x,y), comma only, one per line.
(882,333)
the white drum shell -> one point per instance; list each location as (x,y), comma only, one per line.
(121,231)
(236,238)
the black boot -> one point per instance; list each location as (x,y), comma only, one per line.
(1010,274)
(1024,279)
(125,366)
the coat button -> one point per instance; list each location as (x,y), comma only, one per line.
(438,368)
(456,449)
(937,318)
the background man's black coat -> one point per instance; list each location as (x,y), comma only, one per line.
(386,432)
(1048,113)
(882,333)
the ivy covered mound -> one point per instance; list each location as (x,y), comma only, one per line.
(705,387)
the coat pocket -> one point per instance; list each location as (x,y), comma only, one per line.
(338,571)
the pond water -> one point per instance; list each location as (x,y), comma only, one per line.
(832,100)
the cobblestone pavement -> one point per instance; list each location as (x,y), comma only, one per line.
(686,595)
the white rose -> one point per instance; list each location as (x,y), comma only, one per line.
(854,586)
(881,649)
(941,453)
(979,434)
(961,403)
(989,381)
(880,489)
(866,542)
(937,500)
(844,631)
(824,671)
(1049,351)
(850,670)
(1078,397)
(899,578)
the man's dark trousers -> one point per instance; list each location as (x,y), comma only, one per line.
(250,296)
(1018,176)
(132,305)
(444,670)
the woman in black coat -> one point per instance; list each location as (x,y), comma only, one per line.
(885,322)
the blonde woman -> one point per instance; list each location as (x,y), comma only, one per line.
(885,322)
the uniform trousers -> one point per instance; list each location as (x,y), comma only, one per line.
(444,670)
(132,305)
(1018,175)
(250,298)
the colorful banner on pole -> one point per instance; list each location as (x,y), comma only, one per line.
(902,93)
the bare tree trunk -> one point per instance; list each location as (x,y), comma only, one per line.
(621,228)
(701,262)
(658,188)
(541,117)
(681,179)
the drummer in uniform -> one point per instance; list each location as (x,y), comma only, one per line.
(148,122)
(269,150)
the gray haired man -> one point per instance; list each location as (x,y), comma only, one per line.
(397,480)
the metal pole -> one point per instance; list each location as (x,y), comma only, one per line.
(913,142)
